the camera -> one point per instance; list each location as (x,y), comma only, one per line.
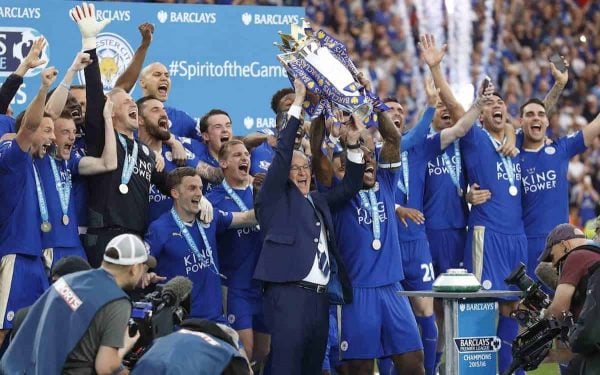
(531,346)
(535,299)
(156,315)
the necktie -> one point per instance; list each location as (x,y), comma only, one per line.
(321,256)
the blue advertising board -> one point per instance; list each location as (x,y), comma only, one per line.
(476,342)
(218,56)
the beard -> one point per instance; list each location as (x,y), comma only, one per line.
(159,133)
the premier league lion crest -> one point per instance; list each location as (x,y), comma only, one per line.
(324,66)
(114,55)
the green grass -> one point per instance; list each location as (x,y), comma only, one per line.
(545,369)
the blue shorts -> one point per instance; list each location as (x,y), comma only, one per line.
(378,323)
(332,351)
(245,309)
(22,280)
(54,254)
(492,256)
(447,248)
(417,265)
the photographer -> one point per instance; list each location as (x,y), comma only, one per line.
(79,325)
(572,254)
(200,347)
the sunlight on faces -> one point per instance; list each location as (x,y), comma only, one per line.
(187,195)
(153,118)
(42,138)
(300,172)
(236,164)
(442,118)
(218,131)
(286,102)
(534,122)
(368,147)
(396,113)
(125,114)
(155,81)
(493,115)
(64,133)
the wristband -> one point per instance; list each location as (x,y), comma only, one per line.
(334,140)
(354,146)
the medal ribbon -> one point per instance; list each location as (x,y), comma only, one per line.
(371,203)
(128,163)
(63,188)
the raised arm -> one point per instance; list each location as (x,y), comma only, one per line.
(126,81)
(57,100)
(13,82)
(560,81)
(85,17)
(35,111)
(89,165)
(591,131)
(433,57)
(321,165)
(464,124)
(278,173)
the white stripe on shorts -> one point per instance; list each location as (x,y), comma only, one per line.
(477,250)
(7,268)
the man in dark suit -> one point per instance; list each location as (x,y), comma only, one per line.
(299,262)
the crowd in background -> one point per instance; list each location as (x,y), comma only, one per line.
(525,34)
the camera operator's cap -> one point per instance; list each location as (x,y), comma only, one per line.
(130,250)
(561,232)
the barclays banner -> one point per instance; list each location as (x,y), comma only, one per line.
(218,56)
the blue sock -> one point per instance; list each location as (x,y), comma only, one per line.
(429,336)
(508,329)
(438,358)
(386,366)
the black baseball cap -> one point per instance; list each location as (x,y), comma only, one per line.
(561,232)
(69,264)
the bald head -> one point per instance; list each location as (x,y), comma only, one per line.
(155,81)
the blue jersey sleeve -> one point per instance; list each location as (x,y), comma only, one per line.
(73,163)
(572,144)
(415,136)
(12,158)
(223,220)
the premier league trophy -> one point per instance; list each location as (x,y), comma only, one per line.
(323,64)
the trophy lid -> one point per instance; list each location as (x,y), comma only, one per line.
(456,280)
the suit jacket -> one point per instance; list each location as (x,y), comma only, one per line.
(289,225)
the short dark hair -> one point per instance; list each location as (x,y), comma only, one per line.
(391,99)
(20,116)
(276,98)
(141,101)
(175,177)
(224,150)
(212,112)
(77,87)
(530,101)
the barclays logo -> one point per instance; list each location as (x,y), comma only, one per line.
(162,16)
(248,122)
(15,43)
(246,18)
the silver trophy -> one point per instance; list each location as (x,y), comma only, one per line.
(323,64)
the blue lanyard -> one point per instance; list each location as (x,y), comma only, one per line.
(508,165)
(128,163)
(236,198)
(454,170)
(190,241)
(41,196)
(371,203)
(63,188)
(403,184)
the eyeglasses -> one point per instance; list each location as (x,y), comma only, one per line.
(297,168)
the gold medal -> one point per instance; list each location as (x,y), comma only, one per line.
(46,227)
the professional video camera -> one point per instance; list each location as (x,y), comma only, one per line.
(531,347)
(535,299)
(156,314)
